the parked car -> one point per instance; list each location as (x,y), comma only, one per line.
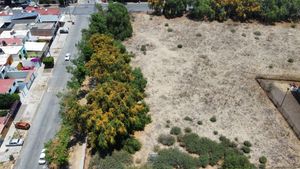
(42,159)
(64,30)
(22,125)
(15,142)
(67,57)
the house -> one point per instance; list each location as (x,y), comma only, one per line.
(11,41)
(44,31)
(22,34)
(25,17)
(36,49)
(17,52)
(8,86)
(24,79)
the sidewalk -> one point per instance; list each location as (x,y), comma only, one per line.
(32,100)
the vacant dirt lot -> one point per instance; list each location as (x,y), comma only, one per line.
(213,74)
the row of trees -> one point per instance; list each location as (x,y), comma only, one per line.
(113,106)
(264,10)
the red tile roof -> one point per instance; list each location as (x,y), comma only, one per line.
(43,11)
(5,85)
(4,13)
(11,41)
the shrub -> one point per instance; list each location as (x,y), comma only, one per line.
(143,48)
(263,160)
(270,66)
(290,60)
(175,130)
(202,9)
(173,158)
(203,161)
(234,160)
(247,143)
(170,30)
(167,125)
(179,46)
(198,35)
(187,118)
(156,148)
(7,100)
(187,130)
(257,33)
(168,121)
(132,145)
(199,123)
(243,34)
(232,30)
(11,158)
(226,142)
(262,166)
(119,28)
(166,24)
(293,26)
(139,82)
(245,149)
(215,132)
(166,140)
(118,159)
(49,62)
(174,8)
(213,119)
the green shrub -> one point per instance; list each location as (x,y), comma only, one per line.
(198,35)
(247,143)
(166,140)
(187,130)
(49,62)
(202,9)
(290,60)
(132,145)
(166,24)
(168,121)
(245,149)
(187,118)
(175,130)
(7,100)
(119,28)
(232,30)
(179,46)
(173,158)
(215,132)
(203,161)
(170,30)
(118,160)
(11,157)
(174,8)
(199,123)
(293,26)
(226,142)
(234,160)
(263,160)
(213,119)
(262,166)
(257,33)
(138,81)
(243,34)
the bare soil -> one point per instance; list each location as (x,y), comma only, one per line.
(213,74)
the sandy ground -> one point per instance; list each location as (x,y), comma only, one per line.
(214,74)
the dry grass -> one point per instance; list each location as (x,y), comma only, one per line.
(213,75)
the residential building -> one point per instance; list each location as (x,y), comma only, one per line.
(8,86)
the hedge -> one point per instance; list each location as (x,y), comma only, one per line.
(7,100)
(49,62)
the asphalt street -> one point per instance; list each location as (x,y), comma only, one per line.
(46,122)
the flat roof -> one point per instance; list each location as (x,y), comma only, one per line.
(12,50)
(43,11)
(11,41)
(43,25)
(35,46)
(3,59)
(9,34)
(5,85)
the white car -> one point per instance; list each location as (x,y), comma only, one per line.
(15,142)
(42,159)
(67,57)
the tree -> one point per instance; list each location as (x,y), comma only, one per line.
(202,10)
(113,112)
(118,21)
(174,8)
(156,5)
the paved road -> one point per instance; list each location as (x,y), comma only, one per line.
(89,8)
(47,119)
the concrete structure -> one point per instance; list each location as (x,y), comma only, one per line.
(24,79)
(36,49)
(43,29)
(11,41)
(22,34)
(17,52)
(24,17)
(8,86)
